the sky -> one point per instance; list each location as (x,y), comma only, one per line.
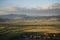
(27,3)
(30,7)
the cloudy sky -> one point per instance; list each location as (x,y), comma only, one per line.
(30,7)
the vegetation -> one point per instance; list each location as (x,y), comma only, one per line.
(12,28)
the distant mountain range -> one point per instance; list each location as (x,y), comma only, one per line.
(22,16)
(26,17)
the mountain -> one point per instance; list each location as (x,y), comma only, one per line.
(23,16)
(12,16)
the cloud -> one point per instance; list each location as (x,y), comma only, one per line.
(51,9)
(10,7)
(50,6)
(7,9)
(1,11)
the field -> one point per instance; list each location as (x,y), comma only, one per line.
(15,28)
